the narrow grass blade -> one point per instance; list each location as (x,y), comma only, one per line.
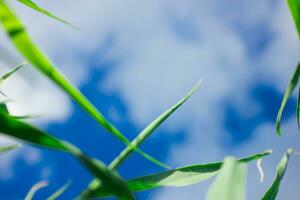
(23,131)
(179,177)
(292,84)
(149,129)
(230,183)
(34,6)
(60,191)
(294,6)
(8,74)
(298,108)
(9,148)
(36,187)
(273,190)
(34,55)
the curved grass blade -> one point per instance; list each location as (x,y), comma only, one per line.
(179,177)
(9,147)
(230,183)
(36,187)
(292,84)
(294,6)
(23,131)
(60,191)
(34,55)
(150,128)
(273,190)
(34,6)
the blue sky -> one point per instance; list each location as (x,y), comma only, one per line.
(134,60)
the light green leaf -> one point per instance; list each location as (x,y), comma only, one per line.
(179,177)
(294,6)
(149,129)
(60,191)
(9,147)
(34,55)
(34,189)
(273,190)
(230,183)
(292,84)
(23,131)
(34,6)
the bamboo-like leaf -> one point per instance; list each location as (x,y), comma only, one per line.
(179,177)
(34,6)
(292,84)
(294,6)
(60,191)
(9,147)
(150,128)
(23,131)
(230,183)
(273,190)
(34,55)
(35,188)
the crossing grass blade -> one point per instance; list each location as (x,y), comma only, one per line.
(179,177)
(281,168)
(34,6)
(60,191)
(34,55)
(23,131)
(294,6)
(291,86)
(36,187)
(9,147)
(230,183)
(150,128)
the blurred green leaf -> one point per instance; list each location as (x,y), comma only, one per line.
(294,6)
(288,92)
(34,6)
(36,187)
(34,55)
(60,191)
(273,190)
(230,183)
(179,177)
(23,131)
(9,147)
(8,74)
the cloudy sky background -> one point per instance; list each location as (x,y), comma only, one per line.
(134,59)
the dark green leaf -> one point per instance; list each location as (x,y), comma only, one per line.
(273,190)
(230,183)
(23,131)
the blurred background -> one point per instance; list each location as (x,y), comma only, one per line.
(133,60)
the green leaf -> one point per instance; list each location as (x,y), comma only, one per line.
(8,74)
(23,131)
(292,84)
(60,191)
(273,190)
(32,5)
(294,6)
(179,177)
(9,148)
(230,183)
(34,189)
(34,55)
